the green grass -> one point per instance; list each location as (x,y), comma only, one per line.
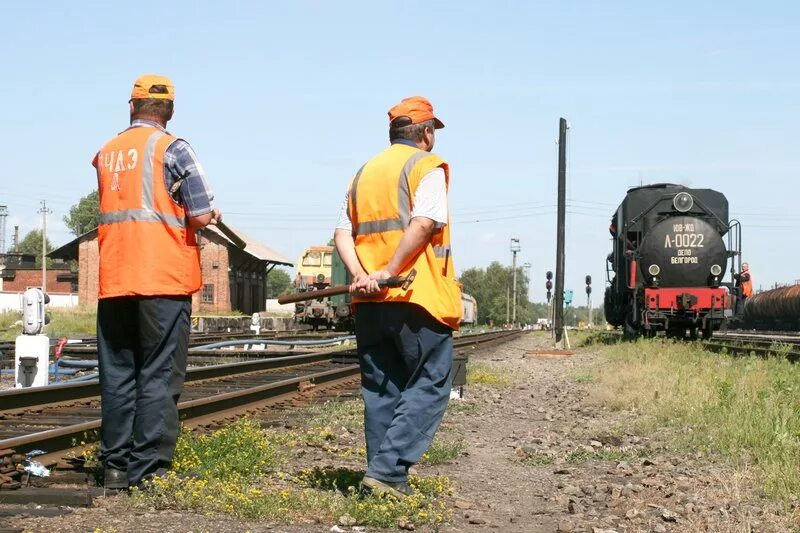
(745,409)
(481,373)
(78,321)
(442,451)
(539,459)
(348,414)
(237,470)
(583,377)
(459,407)
(8,331)
(241,451)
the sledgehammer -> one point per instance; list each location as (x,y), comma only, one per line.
(390,283)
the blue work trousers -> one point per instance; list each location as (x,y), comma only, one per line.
(142,347)
(406,362)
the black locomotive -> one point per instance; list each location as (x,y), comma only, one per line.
(667,267)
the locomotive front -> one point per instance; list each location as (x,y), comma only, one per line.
(669,261)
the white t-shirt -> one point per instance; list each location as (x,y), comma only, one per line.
(430,201)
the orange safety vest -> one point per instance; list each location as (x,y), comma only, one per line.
(146,246)
(380,203)
(747,287)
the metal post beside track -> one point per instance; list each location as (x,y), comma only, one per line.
(558,297)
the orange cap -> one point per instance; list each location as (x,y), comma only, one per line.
(417,108)
(142,86)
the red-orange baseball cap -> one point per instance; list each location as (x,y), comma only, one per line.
(142,86)
(417,108)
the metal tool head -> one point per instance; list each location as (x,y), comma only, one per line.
(409,279)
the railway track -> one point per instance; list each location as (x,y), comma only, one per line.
(55,418)
(88,345)
(780,344)
(759,345)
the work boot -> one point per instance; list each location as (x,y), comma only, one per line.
(114,479)
(380,488)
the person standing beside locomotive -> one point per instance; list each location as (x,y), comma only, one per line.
(744,287)
(153,197)
(394,219)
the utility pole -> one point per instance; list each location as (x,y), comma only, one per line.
(44,211)
(558,300)
(514,249)
(526,267)
(508,303)
(3,217)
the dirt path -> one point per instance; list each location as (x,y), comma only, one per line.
(543,457)
(539,455)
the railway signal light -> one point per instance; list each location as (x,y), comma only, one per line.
(32,348)
(33,315)
(549,285)
(588,284)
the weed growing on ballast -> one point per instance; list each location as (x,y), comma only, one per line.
(237,471)
(481,373)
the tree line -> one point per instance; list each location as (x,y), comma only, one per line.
(491,287)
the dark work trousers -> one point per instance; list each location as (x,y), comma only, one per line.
(406,362)
(142,346)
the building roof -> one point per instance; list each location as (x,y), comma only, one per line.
(252,247)
(70,250)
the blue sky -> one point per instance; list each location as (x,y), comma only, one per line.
(284,101)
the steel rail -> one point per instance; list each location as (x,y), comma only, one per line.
(15,399)
(762,348)
(214,406)
(66,437)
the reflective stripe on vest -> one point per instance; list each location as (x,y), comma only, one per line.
(147,213)
(441,252)
(141,215)
(403,202)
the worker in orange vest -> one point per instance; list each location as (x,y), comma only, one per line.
(744,284)
(394,218)
(153,198)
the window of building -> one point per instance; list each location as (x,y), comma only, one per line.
(208,293)
(327,259)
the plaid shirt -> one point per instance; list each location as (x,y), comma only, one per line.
(180,162)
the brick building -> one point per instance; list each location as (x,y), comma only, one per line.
(19,272)
(234,278)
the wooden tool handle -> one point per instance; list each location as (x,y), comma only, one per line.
(392,282)
(313,295)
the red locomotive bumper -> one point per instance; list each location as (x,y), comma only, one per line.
(678,299)
(678,307)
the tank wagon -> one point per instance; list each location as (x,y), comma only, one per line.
(666,271)
(776,309)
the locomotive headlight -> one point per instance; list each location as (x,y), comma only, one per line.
(654,270)
(683,201)
(716,270)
